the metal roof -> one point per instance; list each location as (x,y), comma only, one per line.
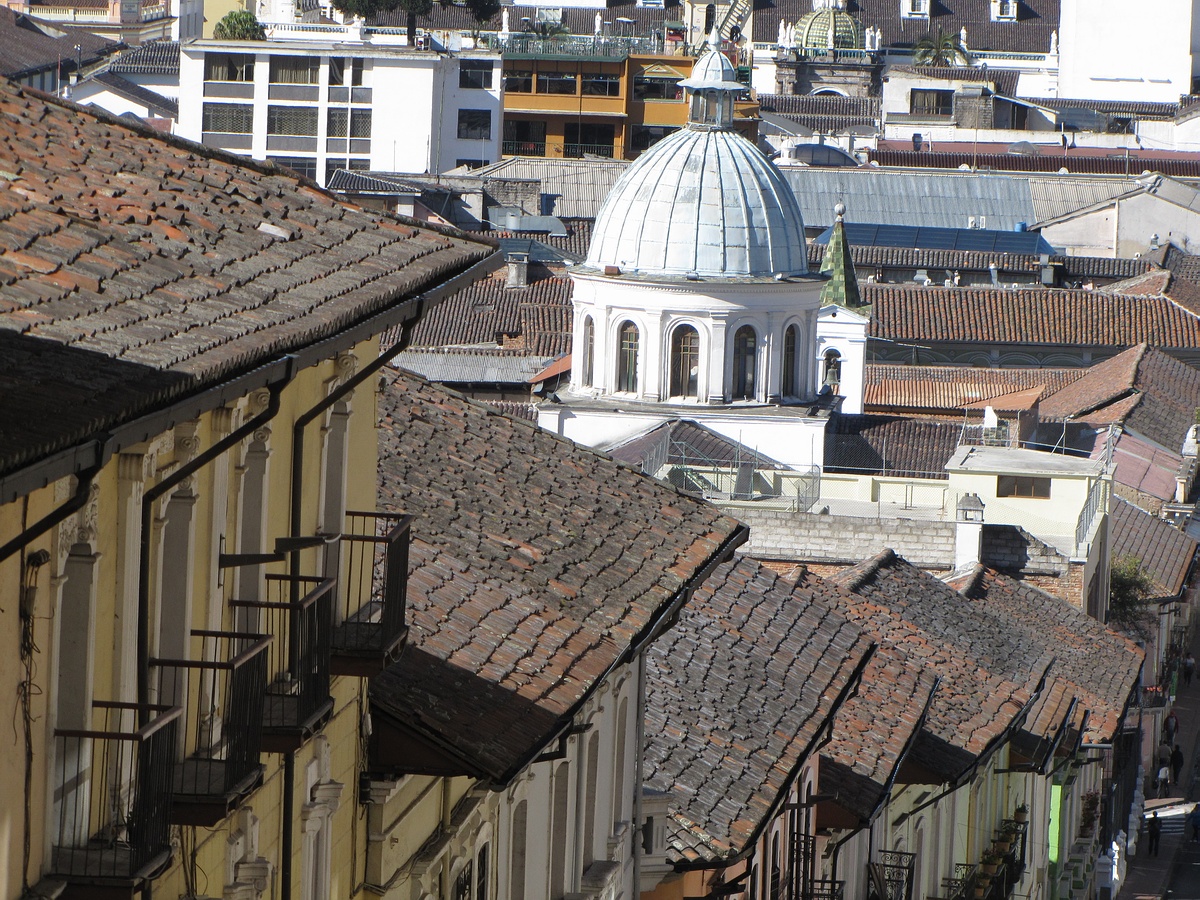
(983,239)
(1057,195)
(911,198)
(571,188)
(474,366)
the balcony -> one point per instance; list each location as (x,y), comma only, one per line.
(112,799)
(298,614)
(222,696)
(523,148)
(582,151)
(371,627)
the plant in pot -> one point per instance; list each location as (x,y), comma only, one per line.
(990,862)
(1021,813)
(1090,809)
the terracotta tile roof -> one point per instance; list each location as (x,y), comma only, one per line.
(1181,263)
(1144,389)
(1148,284)
(823,113)
(1166,552)
(926,258)
(535,563)
(947,389)
(988,669)
(1138,109)
(489,312)
(1029,34)
(1027,316)
(873,730)
(890,445)
(151,58)
(28,45)
(737,692)
(1097,666)
(1101,266)
(135,269)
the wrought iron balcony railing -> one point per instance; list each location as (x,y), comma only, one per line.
(371,617)
(221,694)
(298,614)
(112,796)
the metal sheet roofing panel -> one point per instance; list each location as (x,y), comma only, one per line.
(910,198)
(1055,195)
(459,367)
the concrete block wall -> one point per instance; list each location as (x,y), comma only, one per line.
(848,540)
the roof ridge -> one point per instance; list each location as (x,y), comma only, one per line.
(856,576)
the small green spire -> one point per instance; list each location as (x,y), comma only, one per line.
(842,286)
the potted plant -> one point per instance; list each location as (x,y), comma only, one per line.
(990,862)
(1089,810)
(1021,814)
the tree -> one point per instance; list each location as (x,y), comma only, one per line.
(939,50)
(239,25)
(1129,592)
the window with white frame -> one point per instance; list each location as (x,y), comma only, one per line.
(914,9)
(1004,10)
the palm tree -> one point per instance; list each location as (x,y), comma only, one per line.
(939,50)
(239,25)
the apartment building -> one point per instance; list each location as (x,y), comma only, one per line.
(317,106)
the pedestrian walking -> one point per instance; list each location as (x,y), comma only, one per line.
(1153,831)
(1194,820)
(1176,763)
(1164,783)
(1171,727)
(1189,669)
(1163,756)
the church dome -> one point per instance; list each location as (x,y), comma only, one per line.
(814,28)
(703,200)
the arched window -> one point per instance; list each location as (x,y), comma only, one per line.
(516,862)
(776,870)
(627,359)
(745,358)
(710,17)
(791,380)
(832,376)
(589,350)
(685,361)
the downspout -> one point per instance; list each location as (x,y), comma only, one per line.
(153,494)
(71,506)
(296,523)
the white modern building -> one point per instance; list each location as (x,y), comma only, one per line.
(695,300)
(317,105)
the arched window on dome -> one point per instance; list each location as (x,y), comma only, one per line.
(791,373)
(685,361)
(627,359)
(745,362)
(589,351)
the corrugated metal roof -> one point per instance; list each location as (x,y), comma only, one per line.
(1057,196)
(910,198)
(571,188)
(482,367)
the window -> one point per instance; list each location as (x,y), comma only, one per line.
(228,67)
(295,69)
(1004,9)
(333,163)
(556,82)
(229,118)
(471,163)
(482,874)
(745,359)
(360,123)
(301,165)
(790,385)
(685,361)
(518,81)
(464,882)
(643,137)
(931,103)
(475,74)
(294,121)
(601,84)
(342,69)
(627,359)
(523,138)
(589,139)
(914,8)
(516,862)
(589,350)
(474,124)
(1023,486)
(710,17)
(656,87)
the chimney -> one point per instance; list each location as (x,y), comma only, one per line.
(518,271)
(968,531)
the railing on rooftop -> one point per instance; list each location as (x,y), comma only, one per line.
(522,44)
(112,795)
(221,694)
(583,151)
(373,560)
(298,614)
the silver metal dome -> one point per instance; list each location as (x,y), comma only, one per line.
(702,201)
